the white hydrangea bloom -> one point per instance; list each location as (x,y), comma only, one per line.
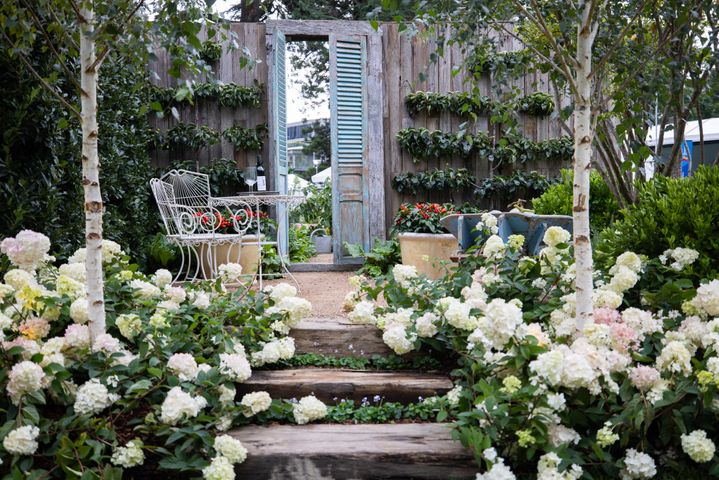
(493,248)
(25,377)
(5,291)
(131,455)
(65,285)
(296,309)
(27,250)
(500,322)
(682,257)
(675,358)
(561,435)
(78,311)
(556,401)
(22,440)
(162,278)
(454,395)
(556,235)
(363,313)
(235,367)
(638,465)
(93,397)
(230,448)
(176,295)
(699,448)
(106,343)
(404,274)
(629,260)
(623,279)
(563,367)
(499,471)
(458,315)
(256,402)
(706,299)
(145,290)
(18,279)
(227,394)
(230,272)
(76,271)
(129,325)
(426,325)
(200,300)
(179,405)
(280,291)
(308,409)
(219,469)
(548,469)
(604,297)
(183,365)
(396,338)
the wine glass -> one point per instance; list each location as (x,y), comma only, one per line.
(250,176)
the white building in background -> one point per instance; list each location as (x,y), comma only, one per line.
(692,138)
(297,160)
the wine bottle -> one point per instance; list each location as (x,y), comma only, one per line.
(261,179)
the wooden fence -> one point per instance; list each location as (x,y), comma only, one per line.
(405,60)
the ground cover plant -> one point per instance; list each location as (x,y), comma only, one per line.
(156,392)
(632,395)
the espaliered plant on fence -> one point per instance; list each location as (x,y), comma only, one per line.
(423,144)
(488,62)
(245,138)
(527,183)
(211,52)
(231,95)
(464,104)
(436,179)
(186,135)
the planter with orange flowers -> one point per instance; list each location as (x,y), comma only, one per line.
(247,254)
(423,241)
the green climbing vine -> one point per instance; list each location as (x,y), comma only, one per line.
(231,95)
(529,183)
(464,104)
(246,138)
(433,180)
(195,137)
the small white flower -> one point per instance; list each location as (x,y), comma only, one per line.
(309,408)
(22,440)
(130,455)
(230,448)
(638,465)
(219,469)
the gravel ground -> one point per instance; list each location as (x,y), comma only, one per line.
(325,290)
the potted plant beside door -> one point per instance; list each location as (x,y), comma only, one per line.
(423,240)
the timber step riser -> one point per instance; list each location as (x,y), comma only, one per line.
(331,385)
(339,339)
(353,452)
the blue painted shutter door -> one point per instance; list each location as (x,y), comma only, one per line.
(348,108)
(280,119)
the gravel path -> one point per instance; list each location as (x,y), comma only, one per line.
(325,290)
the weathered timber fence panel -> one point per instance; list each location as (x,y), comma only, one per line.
(404,61)
(208,112)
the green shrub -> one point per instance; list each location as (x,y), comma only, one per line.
(317,209)
(557,200)
(302,248)
(670,213)
(378,261)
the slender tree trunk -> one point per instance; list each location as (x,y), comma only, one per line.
(583,138)
(91,174)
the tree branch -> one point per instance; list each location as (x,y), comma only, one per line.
(47,86)
(615,46)
(50,44)
(106,50)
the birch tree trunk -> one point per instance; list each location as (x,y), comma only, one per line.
(91,173)
(583,137)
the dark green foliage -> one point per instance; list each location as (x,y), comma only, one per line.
(302,248)
(670,213)
(377,362)
(378,261)
(317,209)
(486,61)
(520,184)
(449,179)
(557,200)
(211,52)
(317,140)
(244,138)
(40,166)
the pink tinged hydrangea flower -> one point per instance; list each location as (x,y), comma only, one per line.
(34,328)
(29,347)
(606,316)
(77,336)
(624,337)
(644,377)
(26,250)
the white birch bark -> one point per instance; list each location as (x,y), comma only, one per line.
(583,137)
(91,173)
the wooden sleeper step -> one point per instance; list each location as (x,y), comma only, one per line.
(329,384)
(353,452)
(338,338)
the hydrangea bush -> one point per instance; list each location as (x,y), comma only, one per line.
(154,392)
(632,394)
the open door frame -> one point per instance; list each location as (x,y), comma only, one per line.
(373,177)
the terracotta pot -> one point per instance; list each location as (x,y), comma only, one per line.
(427,251)
(249,255)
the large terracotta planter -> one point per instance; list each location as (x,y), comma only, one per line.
(427,251)
(249,256)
